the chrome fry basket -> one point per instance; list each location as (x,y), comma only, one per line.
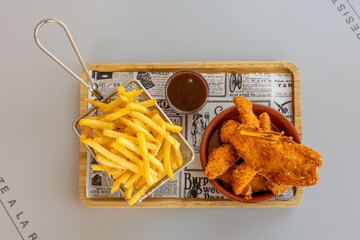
(186,150)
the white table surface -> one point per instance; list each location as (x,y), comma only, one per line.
(39,151)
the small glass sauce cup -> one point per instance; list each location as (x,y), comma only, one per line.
(186,91)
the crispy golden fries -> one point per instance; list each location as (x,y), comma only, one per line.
(95,103)
(132,143)
(97,124)
(167,161)
(85,133)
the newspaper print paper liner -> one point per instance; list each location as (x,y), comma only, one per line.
(185,149)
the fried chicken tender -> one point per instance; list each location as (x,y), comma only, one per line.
(246,113)
(242,176)
(228,178)
(220,160)
(227,130)
(265,123)
(276,188)
(283,162)
(259,183)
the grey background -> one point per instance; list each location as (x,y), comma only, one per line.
(39,151)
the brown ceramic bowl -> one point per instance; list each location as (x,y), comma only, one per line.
(210,140)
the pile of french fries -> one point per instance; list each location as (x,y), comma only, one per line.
(133,144)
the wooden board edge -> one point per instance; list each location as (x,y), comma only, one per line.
(206,67)
(280,67)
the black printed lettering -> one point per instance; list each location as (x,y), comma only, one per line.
(33,236)
(17,215)
(355,27)
(24,223)
(349,19)
(4,189)
(12,202)
(341,7)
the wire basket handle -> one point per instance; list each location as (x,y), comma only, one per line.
(91,86)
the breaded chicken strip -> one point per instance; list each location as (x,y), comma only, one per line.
(276,188)
(259,183)
(246,113)
(283,162)
(265,123)
(220,160)
(227,130)
(242,176)
(228,178)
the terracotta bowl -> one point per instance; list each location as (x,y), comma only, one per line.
(210,140)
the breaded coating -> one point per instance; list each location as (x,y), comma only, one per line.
(283,162)
(220,160)
(246,113)
(228,129)
(276,188)
(259,183)
(242,176)
(265,123)
(247,192)
(227,177)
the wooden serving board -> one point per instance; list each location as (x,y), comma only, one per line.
(202,67)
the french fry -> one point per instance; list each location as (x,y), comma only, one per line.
(95,103)
(128,154)
(138,129)
(140,183)
(174,164)
(106,153)
(133,94)
(111,106)
(103,140)
(156,127)
(104,161)
(85,133)
(173,128)
(148,103)
(128,144)
(98,117)
(132,180)
(160,155)
(167,163)
(97,167)
(123,150)
(139,108)
(156,118)
(96,133)
(116,185)
(178,155)
(138,194)
(129,191)
(144,155)
(111,133)
(119,113)
(156,163)
(125,177)
(140,123)
(121,90)
(114,173)
(114,134)
(96,124)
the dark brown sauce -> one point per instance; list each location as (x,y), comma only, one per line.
(187,91)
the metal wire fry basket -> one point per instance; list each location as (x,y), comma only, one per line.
(185,149)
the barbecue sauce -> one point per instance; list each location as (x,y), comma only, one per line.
(187,91)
